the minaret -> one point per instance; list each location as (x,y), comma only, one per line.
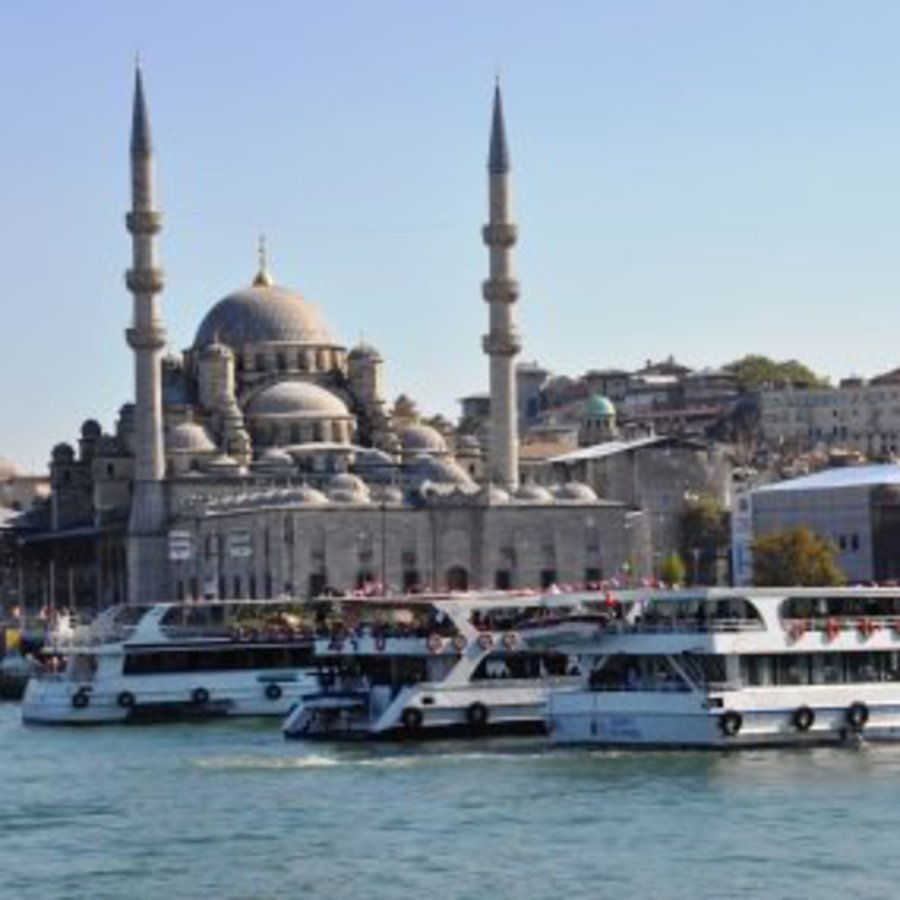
(501,291)
(147,561)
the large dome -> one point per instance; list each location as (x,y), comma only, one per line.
(263,314)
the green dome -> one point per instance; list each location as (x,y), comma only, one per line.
(599,407)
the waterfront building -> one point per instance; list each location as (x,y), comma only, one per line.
(857,508)
(264,458)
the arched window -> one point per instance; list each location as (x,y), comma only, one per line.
(457,578)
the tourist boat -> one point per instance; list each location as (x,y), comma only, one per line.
(729,668)
(175,661)
(437,665)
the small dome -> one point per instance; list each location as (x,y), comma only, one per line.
(468,443)
(91,430)
(574,491)
(263,313)
(493,494)
(364,351)
(189,437)
(309,496)
(347,488)
(224,465)
(599,407)
(438,470)
(390,493)
(63,453)
(422,439)
(296,400)
(534,493)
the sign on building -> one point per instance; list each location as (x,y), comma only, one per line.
(181,545)
(239,544)
(742,539)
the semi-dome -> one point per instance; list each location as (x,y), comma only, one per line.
(263,314)
(189,437)
(575,491)
(275,460)
(422,439)
(296,400)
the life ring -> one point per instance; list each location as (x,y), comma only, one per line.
(460,643)
(80,699)
(435,643)
(730,722)
(411,718)
(273,691)
(797,630)
(866,627)
(510,640)
(485,641)
(477,715)
(200,696)
(803,718)
(125,700)
(832,629)
(857,715)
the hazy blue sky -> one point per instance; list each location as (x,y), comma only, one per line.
(699,178)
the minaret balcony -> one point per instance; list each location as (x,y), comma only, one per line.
(500,234)
(144,281)
(144,221)
(499,343)
(500,290)
(153,338)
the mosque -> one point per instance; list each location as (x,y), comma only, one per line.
(265,459)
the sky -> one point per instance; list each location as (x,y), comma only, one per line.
(695,178)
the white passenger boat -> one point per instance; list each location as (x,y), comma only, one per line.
(431,666)
(735,668)
(176,661)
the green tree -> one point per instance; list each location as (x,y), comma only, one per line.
(672,570)
(795,557)
(703,536)
(755,371)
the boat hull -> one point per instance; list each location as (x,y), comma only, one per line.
(740,719)
(136,700)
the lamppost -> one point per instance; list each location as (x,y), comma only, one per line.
(383,512)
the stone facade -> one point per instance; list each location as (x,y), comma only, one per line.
(854,416)
(263,459)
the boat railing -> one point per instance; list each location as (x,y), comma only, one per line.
(695,625)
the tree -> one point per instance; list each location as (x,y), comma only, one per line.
(672,570)
(703,536)
(795,557)
(755,371)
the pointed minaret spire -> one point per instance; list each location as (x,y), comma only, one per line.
(498,157)
(141,144)
(501,291)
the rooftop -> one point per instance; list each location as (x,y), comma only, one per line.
(842,477)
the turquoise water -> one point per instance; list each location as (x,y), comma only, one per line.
(229,810)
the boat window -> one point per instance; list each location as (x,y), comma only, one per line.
(859,603)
